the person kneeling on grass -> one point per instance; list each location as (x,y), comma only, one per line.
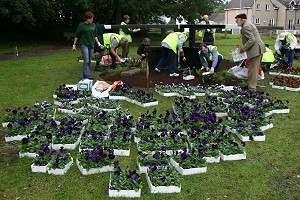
(210,58)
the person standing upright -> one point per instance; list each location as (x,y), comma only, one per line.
(253,46)
(87,35)
(126,32)
(208,35)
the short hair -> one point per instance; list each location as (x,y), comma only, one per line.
(124,39)
(267,45)
(146,39)
(203,45)
(242,16)
(125,17)
(88,15)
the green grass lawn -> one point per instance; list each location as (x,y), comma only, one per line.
(271,170)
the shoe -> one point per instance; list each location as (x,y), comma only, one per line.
(156,69)
(174,75)
(90,78)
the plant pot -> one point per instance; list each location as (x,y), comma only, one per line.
(121,152)
(243,138)
(293,89)
(14,138)
(190,171)
(167,94)
(266,127)
(123,193)
(281,111)
(154,103)
(162,189)
(66,146)
(83,171)
(233,156)
(117,97)
(278,87)
(189,77)
(61,171)
(212,159)
(27,154)
(42,169)
(200,94)
(259,138)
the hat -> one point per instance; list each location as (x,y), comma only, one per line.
(242,16)
(282,36)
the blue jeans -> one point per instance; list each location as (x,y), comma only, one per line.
(290,54)
(168,59)
(87,52)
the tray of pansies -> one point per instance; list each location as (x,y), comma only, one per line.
(60,163)
(145,160)
(291,72)
(287,83)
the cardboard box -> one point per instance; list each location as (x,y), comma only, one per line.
(85,84)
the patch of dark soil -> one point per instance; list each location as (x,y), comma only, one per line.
(140,80)
(9,156)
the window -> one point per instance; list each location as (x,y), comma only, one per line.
(298,21)
(258,6)
(272,22)
(267,7)
(291,24)
(257,21)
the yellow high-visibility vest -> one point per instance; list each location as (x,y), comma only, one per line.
(108,37)
(172,40)
(268,56)
(128,36)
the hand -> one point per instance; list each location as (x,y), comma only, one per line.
(74,47)
(212,70)
(143,55)
(184,59)
(278,52)
(207,69)
(208,30)
(241,50)
(181,53)
(100,45)
(136,30)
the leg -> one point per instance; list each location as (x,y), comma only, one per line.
(253,72)
(125,51)
(163,61)
(99,58)
(217,68)
(291,55)
(86,61)
(113,60)
(172,60)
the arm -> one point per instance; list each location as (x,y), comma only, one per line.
(293,42)
(127,30)
(180,43)
(248,33)
(112,51)
(215,58)
(277,44)
(140,50)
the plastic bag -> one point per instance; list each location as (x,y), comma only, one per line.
(106,60)
(241,70)
(101,89)
(237,56)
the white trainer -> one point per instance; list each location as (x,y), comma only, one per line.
(174,75)
(156,69)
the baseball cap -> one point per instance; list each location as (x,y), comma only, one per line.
(282,36)
(242,16)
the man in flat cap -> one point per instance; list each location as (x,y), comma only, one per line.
(253,46)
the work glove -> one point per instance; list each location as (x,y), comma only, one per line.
(74,48)
(143,55)
(208,30)
(136,30)
(181,53)
(100,45)
(212,70)
(184,59)
(207,69)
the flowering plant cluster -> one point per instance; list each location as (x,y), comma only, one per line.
(32,144)
(59,159)
(164,176)
(179,90)
(120,90)
(132,62)
(295,71)
(96,158)
(43,156)
(188,161)
(286,81)
(124,179)
(160,158)
(232,147)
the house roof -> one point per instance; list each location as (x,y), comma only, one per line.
(236,4)
(220,18)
